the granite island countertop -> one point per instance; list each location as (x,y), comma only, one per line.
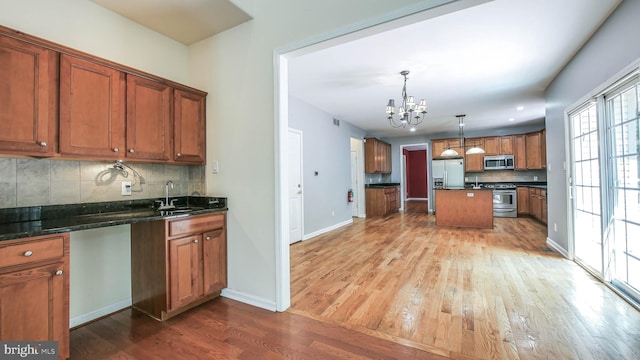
(31,221)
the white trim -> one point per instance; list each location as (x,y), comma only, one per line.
(249,299)
(400,17)
(327,229)
(417,199)
(554,245)
(98,313)
(403,172)
(281,211)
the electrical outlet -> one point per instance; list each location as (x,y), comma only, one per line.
(555,227)
(126,188)
(333,213)
(535,178)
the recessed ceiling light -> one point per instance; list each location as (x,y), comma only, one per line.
(511,119)
(520,108)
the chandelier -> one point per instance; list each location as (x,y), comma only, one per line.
(409,114)
(473,150)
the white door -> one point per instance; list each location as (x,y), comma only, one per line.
(354,182)
(295,185)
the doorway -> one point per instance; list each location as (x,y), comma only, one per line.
(357,178)
(414,182)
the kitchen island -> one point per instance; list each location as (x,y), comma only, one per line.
(464,208)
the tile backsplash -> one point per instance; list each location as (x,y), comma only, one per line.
(507,176)
(31,182)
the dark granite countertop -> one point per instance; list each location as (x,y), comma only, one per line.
(381,185)
(43,220)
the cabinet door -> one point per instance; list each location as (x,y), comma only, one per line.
(506,145)
(214,261)
(185,259)
(148,119)
(27,98)
(91,109)
(437,147)
(474,162)
(519,152)
(32,305)
(533,150)
(492,145)
(385,166)
(523,200)
(189,127)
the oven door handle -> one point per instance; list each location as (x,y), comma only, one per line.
(504,210)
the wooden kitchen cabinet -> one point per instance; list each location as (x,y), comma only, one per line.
(523,200)
(28,99)
(377,156)
(474,162)
(34,290)
(189,127)
(533,149)
(177,264)
(92,109)
(498,145)
(382,201)
(538,204)
(440,145)
(148,131)
(519,152)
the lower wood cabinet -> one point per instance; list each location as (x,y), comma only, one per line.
(177,264)
(382,201)
(523,200)
(34,290)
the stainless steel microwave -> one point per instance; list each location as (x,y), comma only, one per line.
(499,162)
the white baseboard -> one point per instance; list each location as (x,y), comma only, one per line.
(249,299)
(327,229)
(552,244)
(84,318)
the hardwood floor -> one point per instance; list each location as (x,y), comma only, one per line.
(462,293)
(227,329)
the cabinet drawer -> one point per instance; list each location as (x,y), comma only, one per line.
(32,251)
(195,225)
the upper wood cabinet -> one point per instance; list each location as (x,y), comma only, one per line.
(189,127)
(377,155)
(27,98)
(148,131)
(440,145)
(519,152)
(498,145)
(92,109)
(534,149)
(474,162)
(58,101)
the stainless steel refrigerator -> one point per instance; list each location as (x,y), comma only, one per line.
(446,174)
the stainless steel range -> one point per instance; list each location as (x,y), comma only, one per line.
(505,200)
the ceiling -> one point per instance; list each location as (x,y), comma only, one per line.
(186,21)
(482,58)
(485,61)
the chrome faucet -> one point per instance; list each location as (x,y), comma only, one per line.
(166,205)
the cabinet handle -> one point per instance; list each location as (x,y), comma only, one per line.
(28,253)
(178,154)
(195,241)
(43,143)
(116,149)
(131,151)
(59,272)
(208,238)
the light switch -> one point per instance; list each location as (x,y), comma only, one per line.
(214,166)
(126,188)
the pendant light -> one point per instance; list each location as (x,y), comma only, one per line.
(410,114)
(473,150)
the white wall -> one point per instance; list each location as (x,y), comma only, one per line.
(85,26)
(327,150)
(237,68)
(100,274)
(611,49)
